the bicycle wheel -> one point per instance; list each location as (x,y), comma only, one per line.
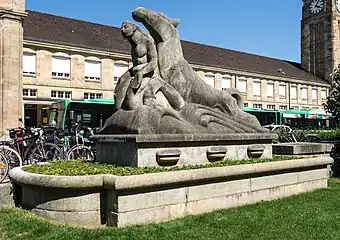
(80,152)
(47,152)
(14,158)
(4,168)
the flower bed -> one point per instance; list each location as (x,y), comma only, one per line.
(85,168)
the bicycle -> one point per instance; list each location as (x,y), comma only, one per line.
(63,141)
(4,168)
(286,134)
(28,145)
(9,158)
(9,150)
(82,148)
(43,151)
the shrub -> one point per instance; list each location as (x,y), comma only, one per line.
(326,135)
(84,168)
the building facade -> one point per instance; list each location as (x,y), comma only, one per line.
(62,58)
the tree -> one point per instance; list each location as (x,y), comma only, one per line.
(332,104)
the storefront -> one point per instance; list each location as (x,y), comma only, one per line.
(318,119)
(35,112)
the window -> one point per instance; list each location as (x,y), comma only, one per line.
(245,105)
(226,83)
(61,67)
(282,91)
(210,80)
(93,95)
(242,85)
(323,95)
(68,95)
(293,92)
(271,107)
(270,90)
(294,108)
(29,63)
(61,94)
(256,88)
(314,94)
(26,92)
(92,70)
(304,93)
(283,107)
(257,106)
(119,70)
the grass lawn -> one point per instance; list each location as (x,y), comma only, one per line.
(313,215)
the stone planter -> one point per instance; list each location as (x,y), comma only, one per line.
(116,201)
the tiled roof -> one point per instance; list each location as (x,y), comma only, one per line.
(49,28)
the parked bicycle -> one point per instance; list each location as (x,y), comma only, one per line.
(34,145)
(27,146)
(286,134)
(83,146)
(4,167)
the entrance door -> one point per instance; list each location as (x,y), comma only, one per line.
(30,115)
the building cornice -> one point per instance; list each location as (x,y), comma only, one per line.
(12,14)
(256,75)
(87,51)
(84,50)
(59,87)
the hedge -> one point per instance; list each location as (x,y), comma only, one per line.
(327,135)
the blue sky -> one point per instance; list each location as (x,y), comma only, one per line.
(264,27)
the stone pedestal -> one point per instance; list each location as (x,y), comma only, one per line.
(12,13)
(302,148)
(6,196)
(180,149)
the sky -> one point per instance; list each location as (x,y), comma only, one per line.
(265,27)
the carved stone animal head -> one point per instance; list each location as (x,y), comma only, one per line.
(159,25)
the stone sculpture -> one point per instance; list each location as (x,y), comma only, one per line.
(162,94)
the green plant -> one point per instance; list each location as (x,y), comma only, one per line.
(327,135)
(332,104)
(84,168)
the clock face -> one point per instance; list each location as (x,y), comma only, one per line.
(338,5)
(316,6)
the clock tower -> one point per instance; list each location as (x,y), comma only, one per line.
(320,37)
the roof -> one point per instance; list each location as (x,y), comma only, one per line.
(49,28)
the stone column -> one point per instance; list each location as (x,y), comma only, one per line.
(12,13)
(264,90)
(218,81)
(250,95)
